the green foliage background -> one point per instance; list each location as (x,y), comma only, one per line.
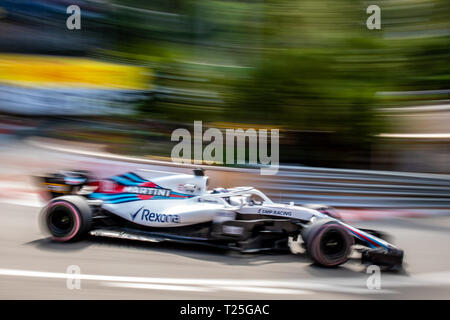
(311,68)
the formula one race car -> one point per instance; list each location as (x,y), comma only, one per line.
(180,208)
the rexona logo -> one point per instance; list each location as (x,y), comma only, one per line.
(146,215)
(149,191)
(133,215)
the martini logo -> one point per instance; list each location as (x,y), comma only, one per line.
(148,191)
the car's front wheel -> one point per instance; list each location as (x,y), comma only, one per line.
(328,243)
(66,218)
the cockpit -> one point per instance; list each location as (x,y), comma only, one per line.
(240,196)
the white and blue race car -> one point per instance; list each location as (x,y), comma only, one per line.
(180,208)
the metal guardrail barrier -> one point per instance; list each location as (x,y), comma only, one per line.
(357,188)
(335,187)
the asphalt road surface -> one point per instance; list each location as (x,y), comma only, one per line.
(33,267)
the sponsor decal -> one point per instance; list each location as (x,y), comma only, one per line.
(56,187)
(147,215)
(147,191)
(133,215)
(275,212)
(130,187)
(107,186)
(188,187)
(208,200)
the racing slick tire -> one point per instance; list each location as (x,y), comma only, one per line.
(66,218)
(328,243)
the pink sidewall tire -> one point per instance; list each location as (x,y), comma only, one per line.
(66,218)
(328,243)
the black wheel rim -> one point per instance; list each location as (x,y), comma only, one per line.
(333,244)
(60,221)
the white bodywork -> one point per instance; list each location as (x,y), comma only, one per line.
(202,205)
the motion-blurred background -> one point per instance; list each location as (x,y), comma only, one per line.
(342,95)
(364,120)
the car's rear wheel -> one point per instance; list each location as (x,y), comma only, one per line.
(328,243)
(67,218)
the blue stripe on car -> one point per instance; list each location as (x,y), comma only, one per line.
(135,177)
(108,196)
(124,181)
(122,200)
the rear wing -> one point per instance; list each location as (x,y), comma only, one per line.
(64,182)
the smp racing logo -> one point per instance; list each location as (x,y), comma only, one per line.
(148,191)
(146,215)
(275,212)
